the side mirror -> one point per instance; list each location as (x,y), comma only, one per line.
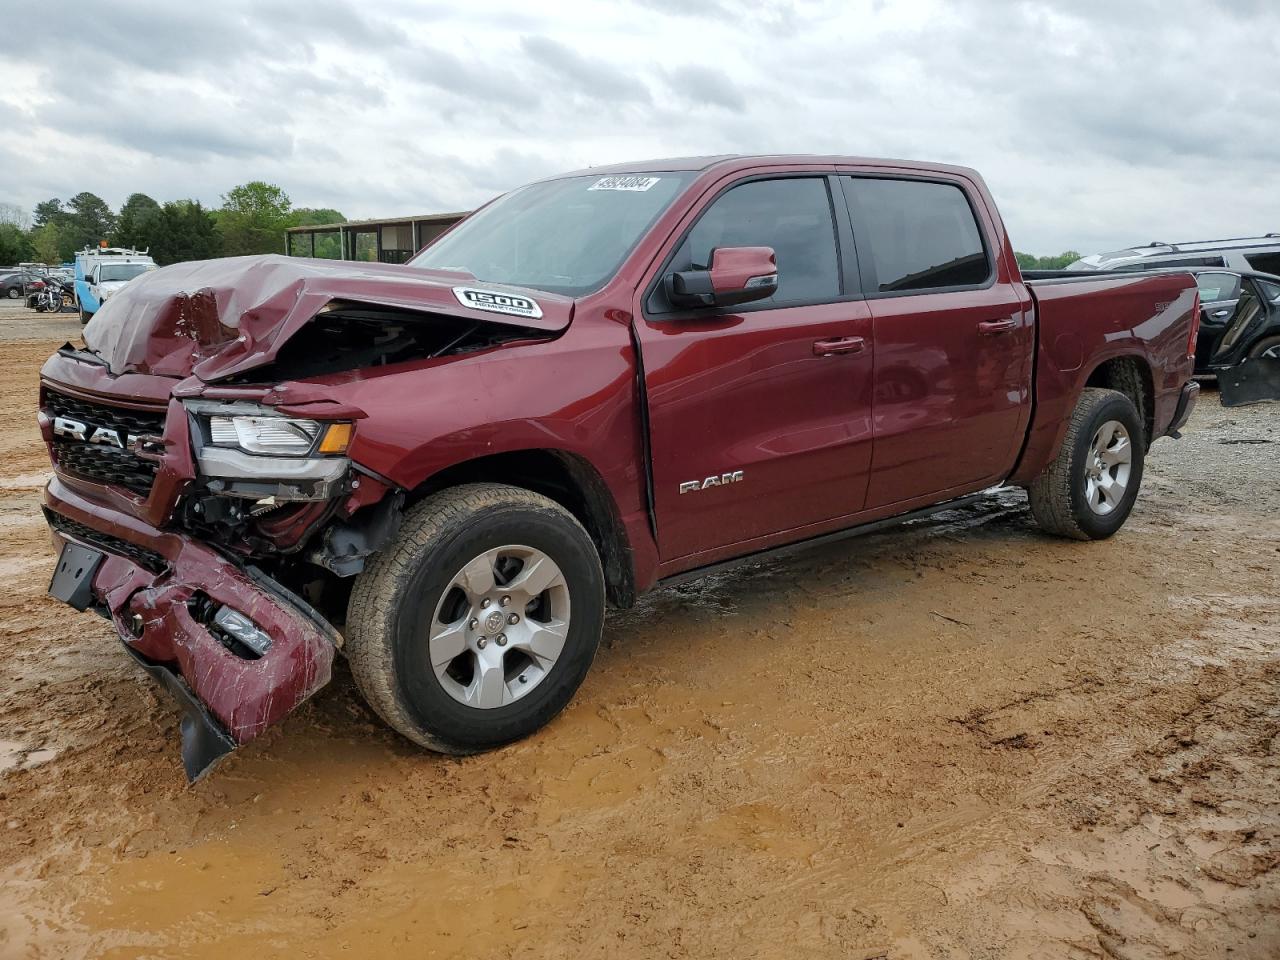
(736,275)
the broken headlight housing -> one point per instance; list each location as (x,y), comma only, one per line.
(247,450)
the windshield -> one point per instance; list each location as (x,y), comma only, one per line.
(123,271)
(564,236)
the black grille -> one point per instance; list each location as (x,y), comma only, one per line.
(105,462)
(147,559)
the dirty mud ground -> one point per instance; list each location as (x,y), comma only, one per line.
(961,740)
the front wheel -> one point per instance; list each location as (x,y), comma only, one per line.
(14,293)
(1088,490)
(478,624)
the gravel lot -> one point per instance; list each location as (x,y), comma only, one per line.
(960,740)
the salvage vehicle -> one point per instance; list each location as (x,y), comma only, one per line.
(596,384)
(1239,318)
(1235,253)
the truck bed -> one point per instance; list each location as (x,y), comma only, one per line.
(1091,317)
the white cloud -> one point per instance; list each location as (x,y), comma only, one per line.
(1096,124)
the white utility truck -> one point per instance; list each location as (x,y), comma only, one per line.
(101,271)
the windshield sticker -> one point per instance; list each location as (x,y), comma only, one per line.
(630,183)
(511,304)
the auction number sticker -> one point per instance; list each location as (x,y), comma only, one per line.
(512,304)
(630,183)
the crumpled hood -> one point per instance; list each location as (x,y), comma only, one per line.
(216,318)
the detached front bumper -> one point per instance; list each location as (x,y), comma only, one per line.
(151,583)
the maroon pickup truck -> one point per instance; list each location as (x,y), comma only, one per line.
(592,386)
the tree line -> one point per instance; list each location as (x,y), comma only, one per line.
(1028,261)
(251,220)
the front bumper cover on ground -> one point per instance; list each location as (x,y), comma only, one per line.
(144,584)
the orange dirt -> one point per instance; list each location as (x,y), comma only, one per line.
(958,740)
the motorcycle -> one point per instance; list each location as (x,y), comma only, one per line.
(49,299)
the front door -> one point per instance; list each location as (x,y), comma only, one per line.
(759,416)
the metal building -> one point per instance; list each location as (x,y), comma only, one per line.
(392,240)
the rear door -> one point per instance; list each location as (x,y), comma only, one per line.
(953,334)
(760,415)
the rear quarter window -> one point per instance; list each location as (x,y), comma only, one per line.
(920,235)
(1265,262)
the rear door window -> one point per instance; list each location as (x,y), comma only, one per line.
(920,235)
(1215,287)
(1183,262)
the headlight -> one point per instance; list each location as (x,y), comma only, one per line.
(268,435)
(247,450)
(278,436)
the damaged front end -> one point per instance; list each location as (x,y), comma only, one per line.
(209,498)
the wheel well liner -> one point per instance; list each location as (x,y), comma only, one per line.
(570,481)
(1131,376)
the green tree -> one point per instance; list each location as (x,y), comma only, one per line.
(253,218)
(88,222)
(47,242)
(15,245)
(50,211)
(1028,261)
(137,222)
(184,230)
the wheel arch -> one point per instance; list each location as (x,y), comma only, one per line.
(1131,375)
(571,481)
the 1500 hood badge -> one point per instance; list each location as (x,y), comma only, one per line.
(692,486)
(512,304)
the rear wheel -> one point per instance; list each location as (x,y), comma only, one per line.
(14,293)
(1266,347)
(1087,492)
(478,624)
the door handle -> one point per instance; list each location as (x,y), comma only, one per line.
(829,348)
(1221,313)
(989,328)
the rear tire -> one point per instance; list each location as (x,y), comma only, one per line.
(1088,490)
(417,598)
(14,293)
(1266,347)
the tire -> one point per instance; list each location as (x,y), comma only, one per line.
(412,587)
(1265,346)
(14,293)
(85,315)
(1064,501)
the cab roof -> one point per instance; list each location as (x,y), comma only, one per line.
(730,163)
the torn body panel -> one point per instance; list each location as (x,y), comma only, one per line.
(156,586)
(219,318)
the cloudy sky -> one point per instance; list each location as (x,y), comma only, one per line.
(1097,123)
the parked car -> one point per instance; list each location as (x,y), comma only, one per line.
(596,384)
(1260,254)
(1239,320)
(13,285)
